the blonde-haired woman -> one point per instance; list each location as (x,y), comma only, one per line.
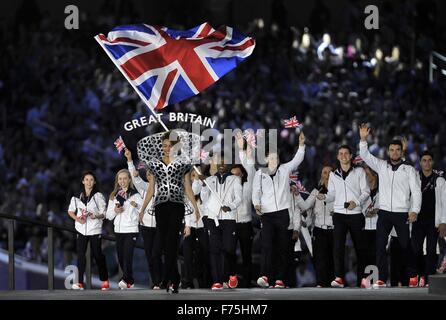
(123,208)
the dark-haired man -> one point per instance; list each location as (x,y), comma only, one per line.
(399,202)
(431,220)
(348,189)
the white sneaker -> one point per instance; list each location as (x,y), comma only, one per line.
(263,282)
(379,284)
(77,286)
(337,283)
(124,285)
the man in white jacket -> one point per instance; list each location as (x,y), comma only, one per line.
(399,202)
(221,206)
(348,189)
(430,221)
(271,198)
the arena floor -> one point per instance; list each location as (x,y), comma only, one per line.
(236,294)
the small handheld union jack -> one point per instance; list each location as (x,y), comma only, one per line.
(291,123)
(358,160)
(141,165)
(119,144)
(203,155)
(294,177)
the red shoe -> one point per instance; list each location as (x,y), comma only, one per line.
(279,284)
(337,283)
(413,282)
(217,286)
(379,284)
(105,285)
(233,282)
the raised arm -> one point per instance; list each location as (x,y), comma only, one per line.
(298,157)
(140,185)
(372,161)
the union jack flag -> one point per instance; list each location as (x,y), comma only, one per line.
(141,165)
(358,160)
(123,194)
(203,155)
(167,66)
(294,177)
(291,123)
(119,144)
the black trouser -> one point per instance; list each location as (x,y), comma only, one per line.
(96,250)
(196,257)
(422,229)
(222,244)
(152,249)
(245,235)
(353,223)
(125,246)
(370,247)
(274,227)
(387,220)
(206,254)
(323,256)
(398,270)
(169,217)
(290,274)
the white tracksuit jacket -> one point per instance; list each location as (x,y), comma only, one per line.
(274,194)
(230,193)
(142,186)
(396,188)
(353,188)
(127,221)
(96,206)
(369,205)
(320,211)
(244,211)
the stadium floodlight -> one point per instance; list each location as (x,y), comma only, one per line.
(306,41)
(260,23)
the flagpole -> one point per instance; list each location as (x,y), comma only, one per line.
(143,98)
